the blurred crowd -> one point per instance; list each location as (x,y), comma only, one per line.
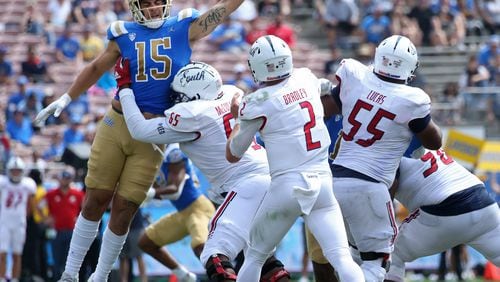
(43,47)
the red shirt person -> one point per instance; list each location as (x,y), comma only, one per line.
(282,30)
(64,203)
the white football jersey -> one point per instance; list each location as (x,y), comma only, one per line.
(375,124)
(294,133)
(14,200)
(214,122)
(431,179)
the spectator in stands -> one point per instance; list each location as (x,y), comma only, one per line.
(64,205)
(246,12)
(104,16)
(422,14)
(5,66)
(68,49)
(131,250)
(19,128)
(376,26)
(269,9)
(56,149)
(4,146)
(58,13)
(475,75)
(229,36)
(489,51)
(451,97)
(34,22)
(333,63)
(34,67)
(255,30)
(121,10)
(34,253)
(90,44)
(340,17)
(494,70)
(17,97)
(280,28)
(448,27)
(84,10)
(73,134)
(242,80)
(402,24)
(78,109)
(489,12)
(30,106)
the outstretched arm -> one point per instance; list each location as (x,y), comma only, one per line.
(209,20)
(149,130)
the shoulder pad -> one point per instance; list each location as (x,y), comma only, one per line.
(187,13)
(116,29)
(251,104)
(230,90)
(183,117)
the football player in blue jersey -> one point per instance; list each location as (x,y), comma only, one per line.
(176,182)
(120,169)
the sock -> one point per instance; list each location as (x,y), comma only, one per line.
(14,280)
(83,235)
(180,271)
(111,247)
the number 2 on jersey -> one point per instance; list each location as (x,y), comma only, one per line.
(372,125)
(310,145)
(429,156)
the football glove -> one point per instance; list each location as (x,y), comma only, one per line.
(122,73)
(55,108)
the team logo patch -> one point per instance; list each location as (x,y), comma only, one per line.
(131,36)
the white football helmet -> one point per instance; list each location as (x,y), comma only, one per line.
(143,16)
(15,169)
(396,57)
(196,81)
(270,59)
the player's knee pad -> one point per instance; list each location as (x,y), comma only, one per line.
(375,265)
(274,271)
(220,269)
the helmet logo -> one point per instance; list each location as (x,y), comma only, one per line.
(188,78)
(253,50)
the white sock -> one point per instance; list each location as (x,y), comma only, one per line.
(111,247)
(83,235)
(180,271)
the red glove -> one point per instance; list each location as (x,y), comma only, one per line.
(122,73)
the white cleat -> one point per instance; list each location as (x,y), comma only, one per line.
(67,278)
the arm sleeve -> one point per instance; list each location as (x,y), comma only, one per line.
(151,130)
(242,140)
(419,124)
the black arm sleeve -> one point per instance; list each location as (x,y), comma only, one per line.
(419,124)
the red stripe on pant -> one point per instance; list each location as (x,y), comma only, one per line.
(221,210)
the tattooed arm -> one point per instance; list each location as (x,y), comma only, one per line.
(209,20)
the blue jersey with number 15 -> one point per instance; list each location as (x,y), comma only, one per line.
(155,57)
